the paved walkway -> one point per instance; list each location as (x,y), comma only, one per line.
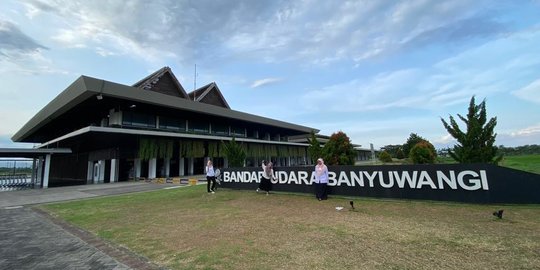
(31,239)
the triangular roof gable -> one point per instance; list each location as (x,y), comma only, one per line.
(209,94)
(162,81)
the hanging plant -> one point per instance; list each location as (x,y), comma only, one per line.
(165,149)
(213,150)
(198,149)
(188,149)
(147,148)
(259,150)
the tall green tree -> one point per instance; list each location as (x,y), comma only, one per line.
(339,150)
(314,148)
(411,142)
(477,143)
(234,152)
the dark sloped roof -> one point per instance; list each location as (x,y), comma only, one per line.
(88,88)
(162,81)
(209,94)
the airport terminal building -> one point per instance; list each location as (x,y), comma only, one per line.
(152,129)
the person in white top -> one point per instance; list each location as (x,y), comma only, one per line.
(321,180)
(210,177)
(266,180)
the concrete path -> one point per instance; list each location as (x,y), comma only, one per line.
(31,239)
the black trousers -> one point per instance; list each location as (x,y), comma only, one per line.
(211,179)
(321,191)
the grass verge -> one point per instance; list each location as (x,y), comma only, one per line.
(187,228)
(528,163)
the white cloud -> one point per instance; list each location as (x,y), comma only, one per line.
(530,92)
(528,131)
(451,81)
(264,82)
(315,31)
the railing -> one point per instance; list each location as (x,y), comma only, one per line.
(15,182)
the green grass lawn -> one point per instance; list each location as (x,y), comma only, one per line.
(529,163)
(187,228)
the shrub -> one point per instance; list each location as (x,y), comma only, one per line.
(400,154)
(339,150)
(423,153)
(385,157)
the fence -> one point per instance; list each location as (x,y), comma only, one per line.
(15,174)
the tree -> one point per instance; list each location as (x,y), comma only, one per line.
(393,149)
(411,142)
(423,153)
(476,144)
(400,154)
(234,152)
(385,157)
(339,150)
(314,148)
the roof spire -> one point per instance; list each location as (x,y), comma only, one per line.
(195,84)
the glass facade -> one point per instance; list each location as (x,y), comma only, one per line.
(168,123)
(148,121)
(136,119)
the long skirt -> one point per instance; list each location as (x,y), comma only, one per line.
(321,191)
(265,184)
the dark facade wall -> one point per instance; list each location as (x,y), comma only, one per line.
(471,183)
(68,170)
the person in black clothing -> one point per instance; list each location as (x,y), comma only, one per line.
(267,176)
(210,177)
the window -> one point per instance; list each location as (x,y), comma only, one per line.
(198,127)
(220,129)
(238,132)
(173,124)
(136,119)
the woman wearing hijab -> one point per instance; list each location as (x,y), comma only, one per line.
(267,176)
(210,177)
(321,180)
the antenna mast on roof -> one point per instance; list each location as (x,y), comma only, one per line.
(195,84)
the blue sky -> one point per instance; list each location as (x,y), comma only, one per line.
(376,70)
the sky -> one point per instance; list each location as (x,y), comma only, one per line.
(377,70)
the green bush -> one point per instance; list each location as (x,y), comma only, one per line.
(385,157)
(234,152)
(400,154)
(339,150)
(423,153)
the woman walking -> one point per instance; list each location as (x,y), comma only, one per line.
(210,177)
(267,176)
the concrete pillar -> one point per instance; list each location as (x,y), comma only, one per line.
(225,163)
(190,166)
(152,164)
(33,179)
(114,171)
(90,172)
(47,170)
(181,169)
(137,164)
(101,178)
(40,171)
(95,172)
(167,167)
